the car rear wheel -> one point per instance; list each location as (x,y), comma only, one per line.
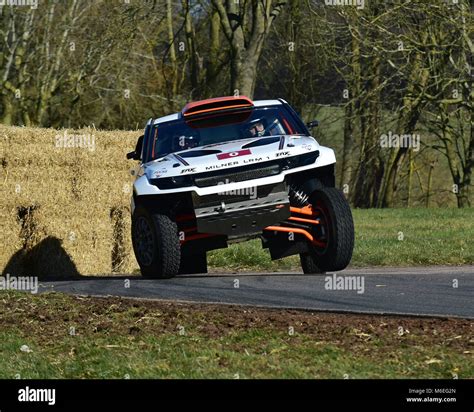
(331,249)
(156,244)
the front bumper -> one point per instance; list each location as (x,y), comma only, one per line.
(242,213)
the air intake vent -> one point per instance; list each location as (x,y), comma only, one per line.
(240,176)
(261,142)
(199,153)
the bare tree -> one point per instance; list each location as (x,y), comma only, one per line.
(246,26)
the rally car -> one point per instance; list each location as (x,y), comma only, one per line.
(229,169)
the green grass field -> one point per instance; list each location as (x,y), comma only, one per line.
(384,237)
(58,336)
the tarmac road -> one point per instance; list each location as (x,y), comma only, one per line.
(440,290)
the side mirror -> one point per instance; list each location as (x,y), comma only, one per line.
(312,124)
(133,155)
(136,154)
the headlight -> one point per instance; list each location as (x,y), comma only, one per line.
(302,160)
(172,182)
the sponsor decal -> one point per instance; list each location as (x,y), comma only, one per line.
(188,170)
(220,166)
(160,172)
(237,153)
(254,160)
(246,161)
(282,154)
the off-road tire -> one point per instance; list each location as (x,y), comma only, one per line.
(339,227)
(309,265)
(156,244)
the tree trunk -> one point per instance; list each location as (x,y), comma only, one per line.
(190,35)
(244,73)
(409,116)
(368,177)
(214,51)
(350,111)
(246,39)
(463,196)
(172,54)
(7,115)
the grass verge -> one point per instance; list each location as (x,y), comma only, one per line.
(58,336)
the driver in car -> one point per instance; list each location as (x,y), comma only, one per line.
(257,129)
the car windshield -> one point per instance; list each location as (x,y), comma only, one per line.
(183,134)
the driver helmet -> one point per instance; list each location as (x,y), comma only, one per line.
(256,127)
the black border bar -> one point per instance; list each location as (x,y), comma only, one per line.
(127,392)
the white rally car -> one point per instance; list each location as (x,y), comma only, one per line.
(229,169)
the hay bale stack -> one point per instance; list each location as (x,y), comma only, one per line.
(65,201)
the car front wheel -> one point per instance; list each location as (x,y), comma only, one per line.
(331,249)
(156,244)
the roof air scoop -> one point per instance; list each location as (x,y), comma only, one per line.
(216,105)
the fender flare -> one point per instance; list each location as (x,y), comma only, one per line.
(324,179)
